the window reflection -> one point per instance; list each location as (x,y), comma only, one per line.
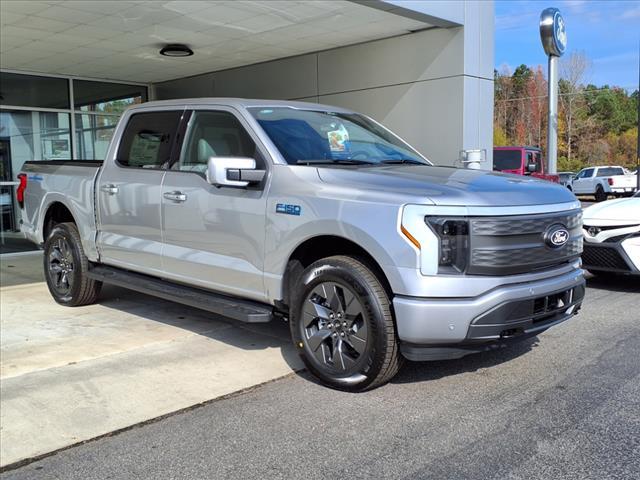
(104,97)
(93,134)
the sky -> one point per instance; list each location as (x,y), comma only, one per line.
(607,32)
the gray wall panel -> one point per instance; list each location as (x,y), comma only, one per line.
(427,114)
(422,55)
(293,77)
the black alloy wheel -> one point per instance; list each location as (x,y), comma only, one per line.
(334,328)
(342,323)
(61,265)
(66,267)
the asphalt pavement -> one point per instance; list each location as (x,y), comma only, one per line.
(564,405)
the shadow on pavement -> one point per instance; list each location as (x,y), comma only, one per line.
(614,283)
(274,334)
(413,372)
(21,269)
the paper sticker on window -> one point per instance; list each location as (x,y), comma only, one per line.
(338,139)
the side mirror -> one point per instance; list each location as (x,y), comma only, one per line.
(531,167)
(233,171)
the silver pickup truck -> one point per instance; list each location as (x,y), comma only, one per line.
(258,209)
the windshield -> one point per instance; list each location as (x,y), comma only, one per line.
(315,137)
(507,160)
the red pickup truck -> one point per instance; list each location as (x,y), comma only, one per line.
(521,161)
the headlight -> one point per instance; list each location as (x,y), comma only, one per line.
(453,234)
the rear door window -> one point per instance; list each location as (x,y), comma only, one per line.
(148,139)
(507,159)
(610,171)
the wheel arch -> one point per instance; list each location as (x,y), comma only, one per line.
(323,246)
(57,212)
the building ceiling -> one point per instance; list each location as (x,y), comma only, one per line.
(120,40)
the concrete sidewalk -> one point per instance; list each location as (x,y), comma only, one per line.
(71,374)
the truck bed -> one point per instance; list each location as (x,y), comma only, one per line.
(67,182)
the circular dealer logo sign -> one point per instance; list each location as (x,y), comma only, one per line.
(553,32)
(556,236)
(559,33)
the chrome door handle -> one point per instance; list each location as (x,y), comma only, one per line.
(110,189)
(177,197)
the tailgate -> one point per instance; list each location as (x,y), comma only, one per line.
(623,181)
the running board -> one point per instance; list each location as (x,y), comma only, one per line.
(242,310)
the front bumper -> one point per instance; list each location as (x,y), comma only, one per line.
(434,329)
(616,257)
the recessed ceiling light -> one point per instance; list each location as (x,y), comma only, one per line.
(176,50)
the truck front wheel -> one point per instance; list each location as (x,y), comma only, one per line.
(342,325)
(66,267)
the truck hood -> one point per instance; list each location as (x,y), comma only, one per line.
(448,185)
(622,211)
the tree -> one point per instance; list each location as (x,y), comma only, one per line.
(518,127)
(596,124)
(536,89)
(500,138)
(572,72)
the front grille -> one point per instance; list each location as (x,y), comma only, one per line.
(516,244)
(516,225)
(603,257)
(525,255)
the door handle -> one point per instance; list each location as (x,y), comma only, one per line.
(110,189)
(177,197)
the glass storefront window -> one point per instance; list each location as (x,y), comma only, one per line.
(90,96)
(26,136)
(34,91)
(93,134)
(35,124)
(35,136)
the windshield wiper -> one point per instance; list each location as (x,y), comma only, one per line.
(339,161)
(402,160)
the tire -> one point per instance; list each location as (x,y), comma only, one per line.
(66,267)
(570,188)
(342,325)
(600,194)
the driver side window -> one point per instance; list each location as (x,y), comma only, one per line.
(214,134)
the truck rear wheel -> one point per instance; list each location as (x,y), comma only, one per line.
(66,267)
(342,324)
(600,195)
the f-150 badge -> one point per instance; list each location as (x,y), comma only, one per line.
(288,209)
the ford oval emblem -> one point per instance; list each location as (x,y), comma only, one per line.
(556,236)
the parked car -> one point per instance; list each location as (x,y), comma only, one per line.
(566,179)
(259,209)
(604,181)
(521,161)
(612,237)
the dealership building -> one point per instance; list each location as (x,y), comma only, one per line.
(68,69)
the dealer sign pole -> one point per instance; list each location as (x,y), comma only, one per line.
(554,42)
